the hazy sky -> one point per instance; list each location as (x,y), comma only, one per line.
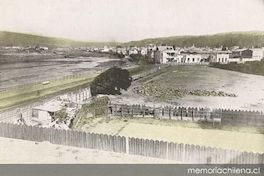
(123,20)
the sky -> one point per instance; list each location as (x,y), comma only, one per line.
(126,20)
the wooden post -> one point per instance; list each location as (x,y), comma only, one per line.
(115,110)
(121,110)
(143,109)
(181,113)
(132,111)
(170,113)
(192,115)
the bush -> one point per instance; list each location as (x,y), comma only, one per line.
(111,82)
(97,107)
(61,115)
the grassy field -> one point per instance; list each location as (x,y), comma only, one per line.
(31,93)
(197,86)
(256,67)
(179,81)
(140,69)
(180,132)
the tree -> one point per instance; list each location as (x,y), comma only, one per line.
(111,82)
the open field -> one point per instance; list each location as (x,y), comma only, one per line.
(46,153)
(29,68)
(198,86)
(256,67)
(22,74)
(179,133)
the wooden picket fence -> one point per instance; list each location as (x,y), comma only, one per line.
(194,154)
(221,116)
(183,153)
(64,137)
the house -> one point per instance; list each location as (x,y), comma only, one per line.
(246,55)
(143,51)
(43,48)
(133,50)
(165,56)
(257,53)
(179,58)
(192,58)
(42,113)
(105,49)
(220,57)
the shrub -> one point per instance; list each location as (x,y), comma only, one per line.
(61,115)
(111,82)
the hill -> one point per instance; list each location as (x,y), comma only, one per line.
(20,39)
(243,39)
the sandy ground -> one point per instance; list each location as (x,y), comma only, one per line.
(248,88)
(14,151)
(151,129)
(21,73)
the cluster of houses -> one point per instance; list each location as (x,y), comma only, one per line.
(164,54)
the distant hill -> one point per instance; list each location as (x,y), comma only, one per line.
(243,39)
(20,39)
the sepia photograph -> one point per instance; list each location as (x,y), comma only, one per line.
(125,82)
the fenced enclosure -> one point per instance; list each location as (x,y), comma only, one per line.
(183,153)
(221,116)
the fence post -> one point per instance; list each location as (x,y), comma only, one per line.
(181,113)
(143,109)
(132,111)
(127,145)
(170,113)
(192,115)
(115,110)
(121,110)
(167,150)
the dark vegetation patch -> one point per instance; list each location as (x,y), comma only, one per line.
(255,67)
(111,82)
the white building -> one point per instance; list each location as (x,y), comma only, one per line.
(165,56)
(257,53)
(220,57)
(105,49)
(191,58)
(144,51)
(132,51)
(42,113)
